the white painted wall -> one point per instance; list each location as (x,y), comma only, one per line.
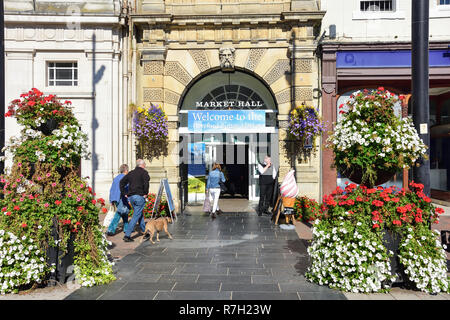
(31,42)
(352,25)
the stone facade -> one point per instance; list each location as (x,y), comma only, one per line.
(179,41)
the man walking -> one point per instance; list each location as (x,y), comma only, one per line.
(119,202)
(267,174)
(138,184)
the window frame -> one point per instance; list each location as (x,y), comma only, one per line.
(74,80)
(393,6)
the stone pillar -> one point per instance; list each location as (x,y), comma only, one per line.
(329,89)
(303,81)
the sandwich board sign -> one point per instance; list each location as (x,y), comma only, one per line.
(164,186)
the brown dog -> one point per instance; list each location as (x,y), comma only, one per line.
(157,225)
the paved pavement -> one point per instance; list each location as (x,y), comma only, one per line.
(238,256)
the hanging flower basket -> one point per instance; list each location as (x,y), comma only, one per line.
(356,175)
(150,126)
(370,142)
(305,125)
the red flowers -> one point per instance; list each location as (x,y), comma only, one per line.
(377,203)
(397,222)
(439,210)
(17,208)
(24,225)
(381,88)
(8,213)
(80,208)
(104,210)
(58,202)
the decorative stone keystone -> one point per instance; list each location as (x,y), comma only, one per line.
(226,57)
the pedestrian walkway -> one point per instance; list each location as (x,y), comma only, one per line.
(238,256)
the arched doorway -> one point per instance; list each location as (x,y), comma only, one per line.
(228,118)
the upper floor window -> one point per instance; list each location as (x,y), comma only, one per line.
(377,5)
(444,2)
(62,73)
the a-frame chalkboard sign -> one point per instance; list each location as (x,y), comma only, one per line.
(164,186)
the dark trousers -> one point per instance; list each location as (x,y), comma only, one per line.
(265,197)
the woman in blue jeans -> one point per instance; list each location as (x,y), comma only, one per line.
(119,202)
(213,188)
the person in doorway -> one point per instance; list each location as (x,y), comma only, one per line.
(213,188)
(138,184)
(267,174)
(119,202)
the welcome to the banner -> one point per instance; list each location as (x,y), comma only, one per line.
(200,121)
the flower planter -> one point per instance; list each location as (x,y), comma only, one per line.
(32,170)
(55,257)
(47,127)
(355,174)
(391,241)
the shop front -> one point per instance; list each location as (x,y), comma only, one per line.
(229,119)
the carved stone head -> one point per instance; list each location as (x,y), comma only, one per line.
(226,57)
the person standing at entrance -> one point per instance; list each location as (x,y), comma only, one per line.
(213,188)
(119,202)
(267,174)
(138,184)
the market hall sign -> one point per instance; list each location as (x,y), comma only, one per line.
(229,104)
(200,121)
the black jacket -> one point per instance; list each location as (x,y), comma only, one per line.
(138,182)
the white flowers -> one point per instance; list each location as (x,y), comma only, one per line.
(356,133)
(428,270)
(351,264)
(16,269)
(72,140)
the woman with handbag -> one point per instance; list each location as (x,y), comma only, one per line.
(213,187)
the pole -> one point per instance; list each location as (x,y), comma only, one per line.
(420,85)
(2,85)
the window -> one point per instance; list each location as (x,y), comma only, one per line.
(444,2)
(235,96)
(377,5)
(63,73)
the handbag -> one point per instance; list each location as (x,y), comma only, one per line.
(109,217)
(207,204)
(223,187)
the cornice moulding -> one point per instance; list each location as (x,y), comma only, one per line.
(58,19)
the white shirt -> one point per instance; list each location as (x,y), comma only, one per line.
(261,170)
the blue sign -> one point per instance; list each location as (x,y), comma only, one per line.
(200,121)
(387,59)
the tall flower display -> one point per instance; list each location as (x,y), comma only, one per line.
(305,125)
(370,142)
(48,212)
(350,250)
(150,127)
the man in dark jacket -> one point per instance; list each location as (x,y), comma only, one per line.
(267,175)
(138,184)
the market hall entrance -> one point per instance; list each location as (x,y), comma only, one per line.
(230,119)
